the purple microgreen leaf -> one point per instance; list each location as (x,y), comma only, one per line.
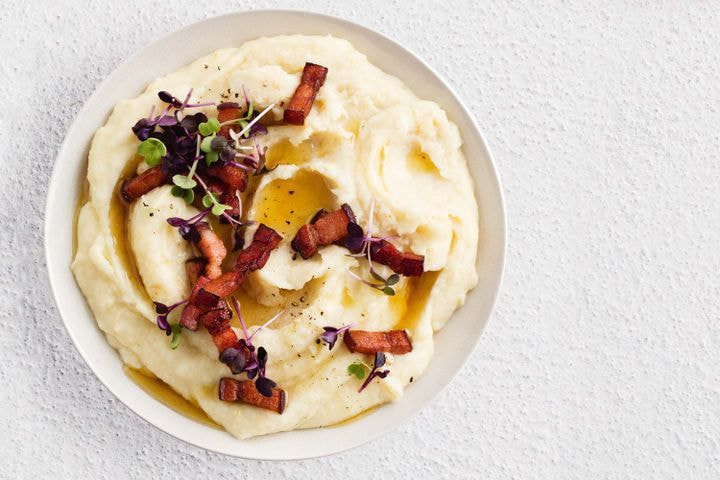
(166,121)
(176,221)
(331,334)
(238,363)
(190,122)
(168,98)
(264,385)
(218,142)
(228,355)
(379,360)
(262,357)
(238,239)
(163,324)
(329,337)
(161,308)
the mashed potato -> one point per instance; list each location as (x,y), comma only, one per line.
(367,139)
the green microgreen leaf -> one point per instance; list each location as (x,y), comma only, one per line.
(176,331)
(219,208)
(250,110)
(392,279)
(184,182)
(388,291)
(209,199)
(187,195)
(152,150)
(356,369)
(206,144)
(211,157)
(209,127)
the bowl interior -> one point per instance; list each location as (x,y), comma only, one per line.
(453,344)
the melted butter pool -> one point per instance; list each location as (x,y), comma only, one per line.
(164,393)
(286,205)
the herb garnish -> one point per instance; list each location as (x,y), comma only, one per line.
(174,329)
(152,150)
(188,228)
(246,359)
(360,243)
(357,369)
(375,372)
(385,286)
(331,334)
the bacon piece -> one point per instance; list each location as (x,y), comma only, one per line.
(212,248)
(250,259)
(217,323)
(194,268)
(362,341)
(325,228)
(408,264)
(235,177)
(232,390)
(228,197)
(189,317)
(313,77)
(139,185)
(228,111)
(191,313)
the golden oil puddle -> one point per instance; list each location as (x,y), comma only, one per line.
(119,215)
(294,302)
(355,417)
(165,394)
(82,200)
(420,162)
(286,205)
(417,294)
(285,153)
(253,312)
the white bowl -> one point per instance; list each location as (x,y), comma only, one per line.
(454,343)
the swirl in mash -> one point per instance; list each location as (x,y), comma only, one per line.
(368,137)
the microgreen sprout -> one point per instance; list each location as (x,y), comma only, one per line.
(248,124)
(162,322)
(358,369)
(246,359)
(187,195)
(331,334)
(175,102)
(360,243)
(188,228)
(375,371)
(210,127)
(152,150)
(386,283)
(186,182)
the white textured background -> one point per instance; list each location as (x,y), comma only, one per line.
(603,357)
